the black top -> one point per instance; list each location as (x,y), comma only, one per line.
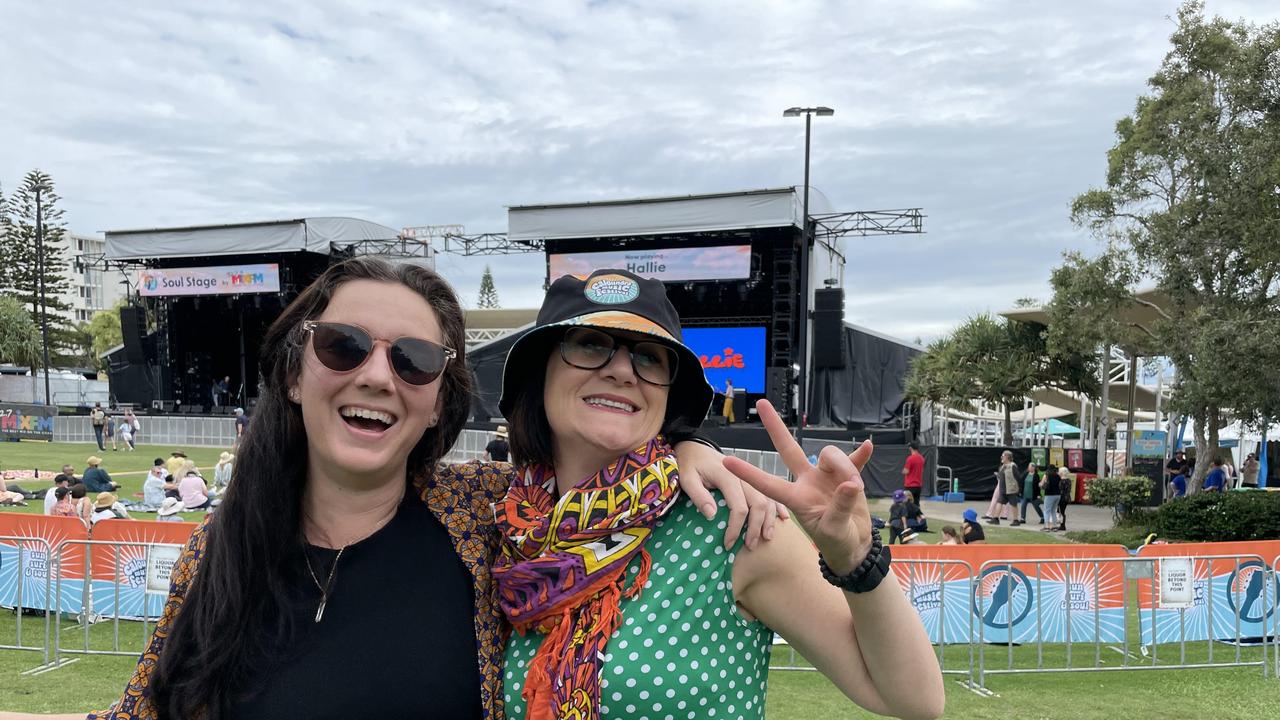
(497,449)
(1053,484)
(972,531)
(397,638)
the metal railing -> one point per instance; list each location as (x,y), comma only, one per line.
(25,574)
(1008,617)
(87,617)
(1024,594)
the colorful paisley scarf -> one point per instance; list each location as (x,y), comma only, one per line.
(563,565)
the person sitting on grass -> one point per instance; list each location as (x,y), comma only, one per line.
(107,507)
(972,532)
(157,487)
(174,464)
(62,506)
(950,536)
(222,472)
(81,503)
(65,479)
(96,479)
(10,497)
(169,510)
(193,491)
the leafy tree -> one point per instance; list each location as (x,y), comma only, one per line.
(25,266)
(488,294)
(1191,192)
(19,337)
(997,361)
(1091,299)
(103,332)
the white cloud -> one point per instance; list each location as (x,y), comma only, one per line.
(990,116)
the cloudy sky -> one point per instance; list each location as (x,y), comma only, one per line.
(989,115)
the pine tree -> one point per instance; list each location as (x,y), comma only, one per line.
(488,294)
(24,266)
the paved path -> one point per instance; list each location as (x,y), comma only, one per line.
(1079,517)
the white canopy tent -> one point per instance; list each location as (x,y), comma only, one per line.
(317,235)
(747,209)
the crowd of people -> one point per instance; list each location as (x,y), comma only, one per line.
(171,487)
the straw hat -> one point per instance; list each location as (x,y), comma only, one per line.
(94,461)
(104,501)
(501,431)
(225,457)
(171,506)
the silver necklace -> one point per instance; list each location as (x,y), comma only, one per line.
(328,583)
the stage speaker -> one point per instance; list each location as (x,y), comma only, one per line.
(828,328)
(193,409)
(133,327)
(778,389)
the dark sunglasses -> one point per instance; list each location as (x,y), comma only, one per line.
(343,348)
(589,349)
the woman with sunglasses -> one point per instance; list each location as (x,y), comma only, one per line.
(346,574)
(623,605)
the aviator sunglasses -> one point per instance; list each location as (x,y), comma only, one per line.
(587,349)
(343,348)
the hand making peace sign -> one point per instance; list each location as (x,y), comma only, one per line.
(828,500)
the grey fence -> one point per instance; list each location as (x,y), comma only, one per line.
(175,430)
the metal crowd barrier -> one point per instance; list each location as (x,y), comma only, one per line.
(87,617)
(24,575)
(925,582)
(1275,619)
(1149,657)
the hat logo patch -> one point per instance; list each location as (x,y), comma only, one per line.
(612,290)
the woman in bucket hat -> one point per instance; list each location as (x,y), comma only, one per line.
(344,547)
(623,605)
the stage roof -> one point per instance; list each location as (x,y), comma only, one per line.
(317,235)
(744,210)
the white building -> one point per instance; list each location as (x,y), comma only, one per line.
(92,288)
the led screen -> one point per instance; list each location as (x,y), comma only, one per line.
(732,262)
(730,353)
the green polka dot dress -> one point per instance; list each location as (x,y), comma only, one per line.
(682,650)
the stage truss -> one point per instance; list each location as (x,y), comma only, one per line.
(828,228)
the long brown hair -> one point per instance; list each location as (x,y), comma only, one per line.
(236,618)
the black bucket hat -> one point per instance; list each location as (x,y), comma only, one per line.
(610,300)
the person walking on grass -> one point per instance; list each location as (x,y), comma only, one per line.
(98,419)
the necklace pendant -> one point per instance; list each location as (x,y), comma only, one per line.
(320,611)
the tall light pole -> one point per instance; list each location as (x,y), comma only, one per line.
(806,238)
(44,311)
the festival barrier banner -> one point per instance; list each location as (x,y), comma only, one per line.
(20,421)
(1219,590)
(133,565)
(220,280)
(1035,596)
(37,560)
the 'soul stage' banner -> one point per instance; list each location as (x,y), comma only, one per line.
(1018,601)
(222,280)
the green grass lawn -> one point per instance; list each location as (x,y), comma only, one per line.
(127,468)
(94,681)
